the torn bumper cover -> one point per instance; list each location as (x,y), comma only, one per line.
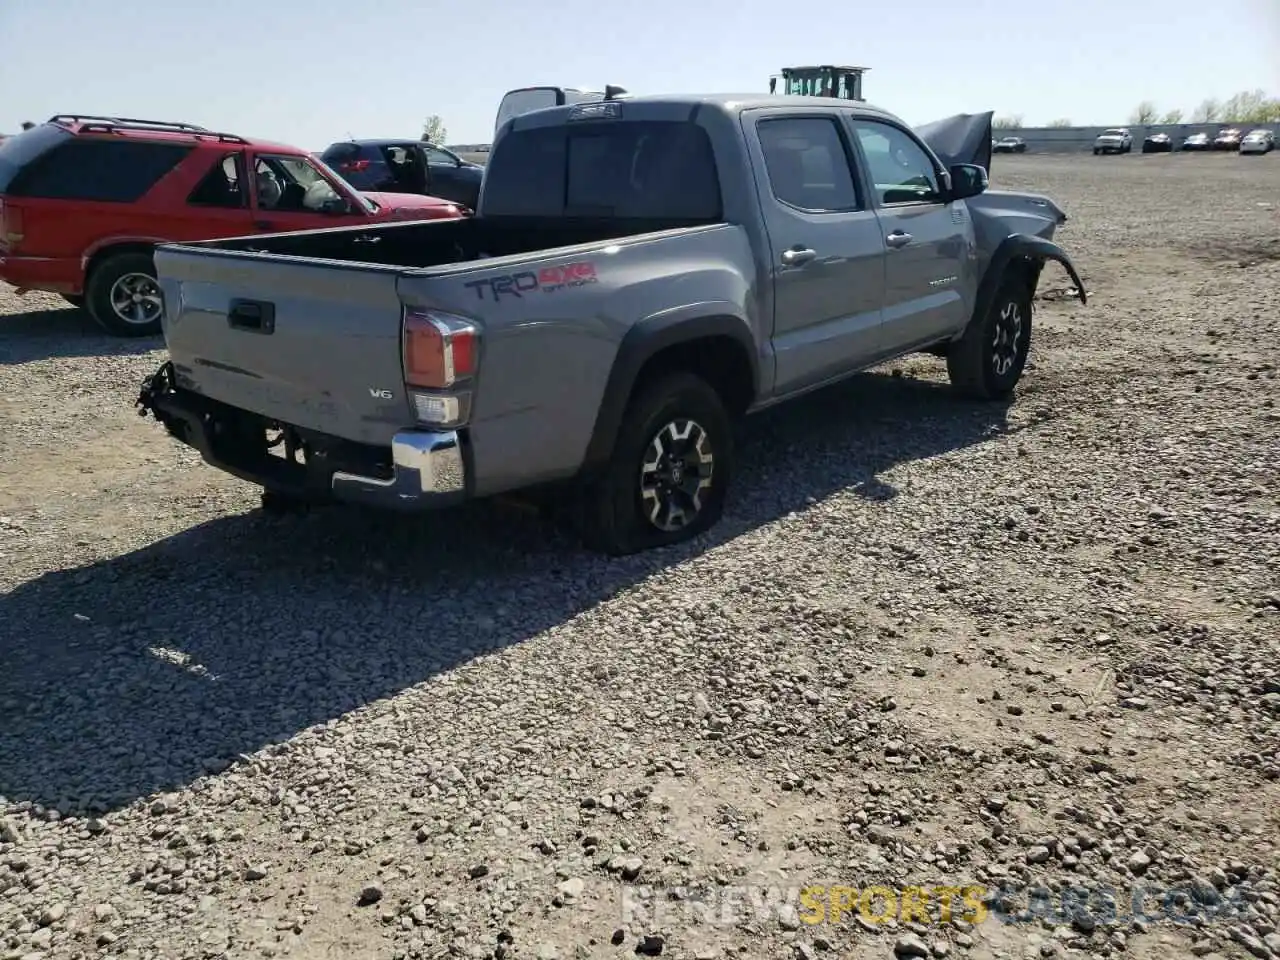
(419,470)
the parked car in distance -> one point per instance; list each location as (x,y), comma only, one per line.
(406,166)
(84,200)
(1113,140)
(1197,141)
(1227,139)
(638,274)
(1258,141)
(1010,145)
(1157,143)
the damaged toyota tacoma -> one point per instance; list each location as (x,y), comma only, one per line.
(638,274)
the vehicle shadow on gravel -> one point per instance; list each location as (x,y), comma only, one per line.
(46,334)
(146,671)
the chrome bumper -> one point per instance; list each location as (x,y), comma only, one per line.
(427,468)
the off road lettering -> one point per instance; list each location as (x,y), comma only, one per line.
(570,275)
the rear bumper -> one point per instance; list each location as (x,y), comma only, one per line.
(428,470)
(55,275)
(421,470)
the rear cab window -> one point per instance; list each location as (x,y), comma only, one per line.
(636,169)
(96,169)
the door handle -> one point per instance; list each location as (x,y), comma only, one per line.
(898,239)
(252,316)
(797,256)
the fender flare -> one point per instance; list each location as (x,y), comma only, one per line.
(1019,246)
(644,341)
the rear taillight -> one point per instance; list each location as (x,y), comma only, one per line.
(441,353)
(10,227)
(354,166)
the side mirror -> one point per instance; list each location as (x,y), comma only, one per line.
(968,180)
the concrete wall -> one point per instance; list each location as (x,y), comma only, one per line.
(1080,139)
(1039,139)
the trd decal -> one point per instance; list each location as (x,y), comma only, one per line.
(546,280)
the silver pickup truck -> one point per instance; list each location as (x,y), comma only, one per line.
(638,274)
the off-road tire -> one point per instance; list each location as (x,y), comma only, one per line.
(98,293)
(610,512)
(973,361)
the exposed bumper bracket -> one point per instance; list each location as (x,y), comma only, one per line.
(428,467)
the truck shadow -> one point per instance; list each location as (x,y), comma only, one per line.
(67,332)
(146,671)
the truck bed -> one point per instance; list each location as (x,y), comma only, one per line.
(436,243)
(305,328)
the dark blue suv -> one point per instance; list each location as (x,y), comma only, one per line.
(406,166)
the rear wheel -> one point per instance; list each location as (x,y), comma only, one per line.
(668,475)
(124,297)
(987,362)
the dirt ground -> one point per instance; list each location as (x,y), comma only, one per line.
(1027,649)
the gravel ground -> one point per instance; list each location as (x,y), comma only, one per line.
(1032,647)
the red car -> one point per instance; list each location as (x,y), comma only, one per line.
(83,200)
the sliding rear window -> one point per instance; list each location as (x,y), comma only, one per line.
(655,170)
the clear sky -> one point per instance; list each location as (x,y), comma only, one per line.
(308,72)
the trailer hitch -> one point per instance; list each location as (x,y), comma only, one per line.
(159,383)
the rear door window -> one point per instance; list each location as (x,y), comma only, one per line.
(808,164)
(403,169)
(223,186)
(663,170)
(112,171)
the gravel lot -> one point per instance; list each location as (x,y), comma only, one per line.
(932,643)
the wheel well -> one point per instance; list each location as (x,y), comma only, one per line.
(1027,271)
(113,250)
(720,360)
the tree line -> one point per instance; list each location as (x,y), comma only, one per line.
(1247,106)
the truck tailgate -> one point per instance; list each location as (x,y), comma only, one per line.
(311,343)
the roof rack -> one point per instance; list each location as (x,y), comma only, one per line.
(127,122)
(94,124)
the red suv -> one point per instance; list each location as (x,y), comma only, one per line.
(83,200)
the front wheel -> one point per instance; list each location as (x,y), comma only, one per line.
(986,363)
(668,475)
(124,297)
